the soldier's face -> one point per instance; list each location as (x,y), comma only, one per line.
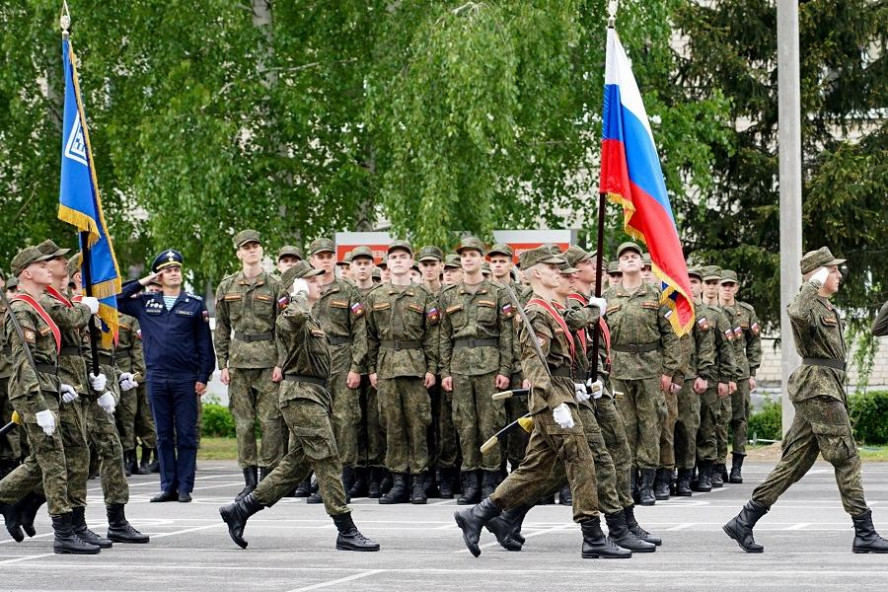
(585,271)
(345,271)
(833,280)
(39,273)
(400,262)
(565,281)
(615,279)
(710,289)
(500,265)
(58,266)
(324,261)
(547,274)
(696,286)
(470,260)
(171,277)
(647,274)
(286,262)
(415,276)
(361,269)
(250,253)
(314,288)
(385,274)
(451,275)
(431,270)
(727,290)
(630,262)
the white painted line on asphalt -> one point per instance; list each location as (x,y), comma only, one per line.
(194,529)
(560,527)
(357,576)
(20,559)
(39,536)
(799,526)
(446,502)
(681,526)
(156,482)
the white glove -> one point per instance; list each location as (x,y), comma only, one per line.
(106,402)
(127,381)
(300,286)
(69,395)
(581,393)
(46,421)
(601,303)
(97,382)
(596,388)
(91,303)
(562,416)
(820,276)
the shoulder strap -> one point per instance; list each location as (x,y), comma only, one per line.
(58,296)
(41,312)
(556,316)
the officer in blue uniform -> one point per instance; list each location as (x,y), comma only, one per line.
(179,357)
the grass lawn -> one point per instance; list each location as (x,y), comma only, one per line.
(217,449)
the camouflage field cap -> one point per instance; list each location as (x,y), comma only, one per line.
(472,242)
(290,251)
(25,258)
(400,245)
(614,268)
(48,247)
(567,269)
(540,255)
(300,270)
(12,283)
(451,261)
(247,236)
(575,254)
(628,246)
(430,253)
(695,272)
(346,260)
(362,252)
(646,259)
(74,264)
(822,257)
(711,272)
(501,249)
(729,276)
(321,245)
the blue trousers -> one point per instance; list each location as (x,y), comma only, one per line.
(174,406)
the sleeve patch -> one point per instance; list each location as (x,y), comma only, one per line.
(738,332)
(283,302)
(830,321)
(30,336)
(703,324)
(507,310)
(433,316)
(755,329)
(357,309)
(206,316)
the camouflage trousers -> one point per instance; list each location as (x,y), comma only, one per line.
(669,416)
(370,434)
(346,418)
(10,444)
(477,417)
(549,445)
(710,416)
(739,415)
(448,439)
(145,430)
(614,434)
(687,426)
(313,448)
(406,411)
(252,397)
(721,429)
(58,463)
(103,437)
(641,409)
(821,426)
(125,418)
(516,442)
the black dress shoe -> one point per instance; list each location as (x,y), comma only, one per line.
(165,496)
(184,497)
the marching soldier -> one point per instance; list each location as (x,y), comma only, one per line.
(476,362)
(646,357)
(748,353)
(10,446)
(247,304)
(821,424)
(402,331)
(306,405)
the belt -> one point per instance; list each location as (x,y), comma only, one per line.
(253,337)
(70,350)
(401,344)
(636,348)
(827,362)
(106,359)
(308,379)
(337,340)
(45,368)
(562,371)
(473,342)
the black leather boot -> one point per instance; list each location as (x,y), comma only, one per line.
(596,545)
(507,528)
(471,488)
(78,521)
(866,539)
(646,490)
(661,483)
(637,530)
(66,541)
(127,463)
(564,496)
(740,526)
(385,481)
(27,509)
(146,460)
(119,528)
(419,496)
(373,489)
(704,481)
(235,516)
(359,486)
(490,480)
(683,486)
(633,485)
(13,527)
(445,484)
(350,538)
(736,466)
(264,472)
(251,478)
(303,489)
(348,478)
(620,535)
(472,520)
(398,493)
(718,475)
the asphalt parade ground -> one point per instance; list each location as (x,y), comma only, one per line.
(807,538)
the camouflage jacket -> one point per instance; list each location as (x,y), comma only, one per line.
(547,391)
(726,365)
(341,313)
(524,293)
(250,309)
(818,333)
(747,341)
(638,320)
(5,347)
(485,314)
(402,331)
(304,352)
(702,358)
(75,359)
(130,357)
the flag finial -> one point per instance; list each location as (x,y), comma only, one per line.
(612,13)
(65,19)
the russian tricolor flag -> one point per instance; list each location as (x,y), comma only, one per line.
(632,177)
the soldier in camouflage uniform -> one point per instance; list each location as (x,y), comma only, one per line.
(821,424)
(646,357)
(558,436)
(35,391)
(702,371)
(614,275)
(247,304)
(287,257)
(341,312)
(715,402)
(10,444)
(476,362)
(306,404)
(402,343)
(451,272)
(748,354)
(130,415)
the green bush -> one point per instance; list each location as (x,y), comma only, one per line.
(766,423)
(869,416)
(217,421)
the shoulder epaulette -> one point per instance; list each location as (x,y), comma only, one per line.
(746,305)
(195,296)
